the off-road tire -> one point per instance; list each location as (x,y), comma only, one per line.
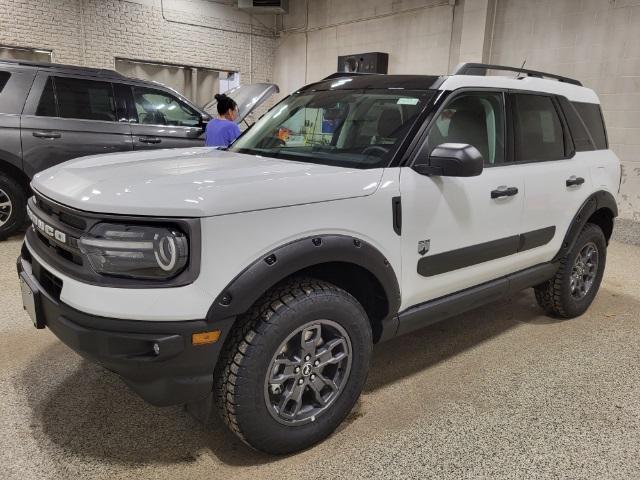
(239,378)
(554,296)
(18,217)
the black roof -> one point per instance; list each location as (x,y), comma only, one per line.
(349,81)
(59,67)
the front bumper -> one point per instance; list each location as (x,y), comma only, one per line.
(179,373)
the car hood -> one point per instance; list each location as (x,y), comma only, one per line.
(196,182)
(247,97)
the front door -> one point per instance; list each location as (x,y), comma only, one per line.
(460,232)
(162,120)
(67,117)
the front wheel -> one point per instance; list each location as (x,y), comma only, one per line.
(13,205)
(570,292)
(294,366)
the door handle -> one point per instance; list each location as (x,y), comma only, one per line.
(573,180)
(504,191)
(41,134)
(149,139)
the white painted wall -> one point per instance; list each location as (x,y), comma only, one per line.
(415,33)
(595,41)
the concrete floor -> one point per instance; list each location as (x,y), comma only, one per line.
(501,392)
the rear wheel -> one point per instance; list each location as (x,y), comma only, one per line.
(13,204)
(294,366)
(570,292)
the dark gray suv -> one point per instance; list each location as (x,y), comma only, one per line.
(51,113)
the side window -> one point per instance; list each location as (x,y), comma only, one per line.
(85,99)
(47,104)
(4,78)
(538,132)
(124,102)
(592,118)
(581,137)
(155,107)
(476,119)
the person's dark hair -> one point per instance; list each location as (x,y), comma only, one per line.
(225,103)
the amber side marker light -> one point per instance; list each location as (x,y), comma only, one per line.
(205,338)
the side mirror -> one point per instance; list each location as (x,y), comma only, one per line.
(451,160)
(204,120)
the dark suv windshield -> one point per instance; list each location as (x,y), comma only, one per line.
(350,128)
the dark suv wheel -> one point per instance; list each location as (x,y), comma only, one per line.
(294,366)
(13,206)
(570,292)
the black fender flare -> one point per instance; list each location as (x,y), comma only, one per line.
(248,286)
(596,201)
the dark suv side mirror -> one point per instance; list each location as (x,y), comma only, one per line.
(451,160)
(204,120)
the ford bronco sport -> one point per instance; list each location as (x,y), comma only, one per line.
(357,209)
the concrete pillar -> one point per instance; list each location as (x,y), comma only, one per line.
(476,30)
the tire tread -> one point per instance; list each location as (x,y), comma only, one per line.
(246,333)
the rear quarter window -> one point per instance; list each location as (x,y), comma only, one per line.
(4,78)
(581,138)
(592,117)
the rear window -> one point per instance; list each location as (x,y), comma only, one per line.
(539,135)
(85,99)
(4,78)
(592,118)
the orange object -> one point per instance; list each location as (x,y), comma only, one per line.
(205,338)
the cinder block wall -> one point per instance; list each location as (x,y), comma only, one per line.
(184,32)
(596,41)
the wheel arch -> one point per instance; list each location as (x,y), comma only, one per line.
(599,208)
(16,173)
(350,263)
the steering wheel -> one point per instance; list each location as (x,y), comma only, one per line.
(381,151)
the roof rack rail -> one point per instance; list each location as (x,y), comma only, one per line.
(61,66)
(481,69)
(349,74)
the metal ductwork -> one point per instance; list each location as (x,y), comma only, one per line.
(264,6)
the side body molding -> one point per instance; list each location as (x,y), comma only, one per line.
(596,201)
(244,290)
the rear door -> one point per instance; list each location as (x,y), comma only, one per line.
(14,87)
(557,177)
(67,117)
(162,120)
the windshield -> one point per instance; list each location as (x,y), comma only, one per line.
(349,128)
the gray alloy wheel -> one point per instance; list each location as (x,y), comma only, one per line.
(6,207)
(308,372)
(584,271)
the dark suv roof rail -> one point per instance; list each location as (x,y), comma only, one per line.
(481,69)
(59,66)
(348,74)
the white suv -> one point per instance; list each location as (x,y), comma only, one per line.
(359,208)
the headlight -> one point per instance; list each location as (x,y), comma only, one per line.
(135,251)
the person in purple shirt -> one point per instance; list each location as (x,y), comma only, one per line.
(221,132)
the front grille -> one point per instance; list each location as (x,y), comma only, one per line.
(56,237)
(59,245)
(69,222)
